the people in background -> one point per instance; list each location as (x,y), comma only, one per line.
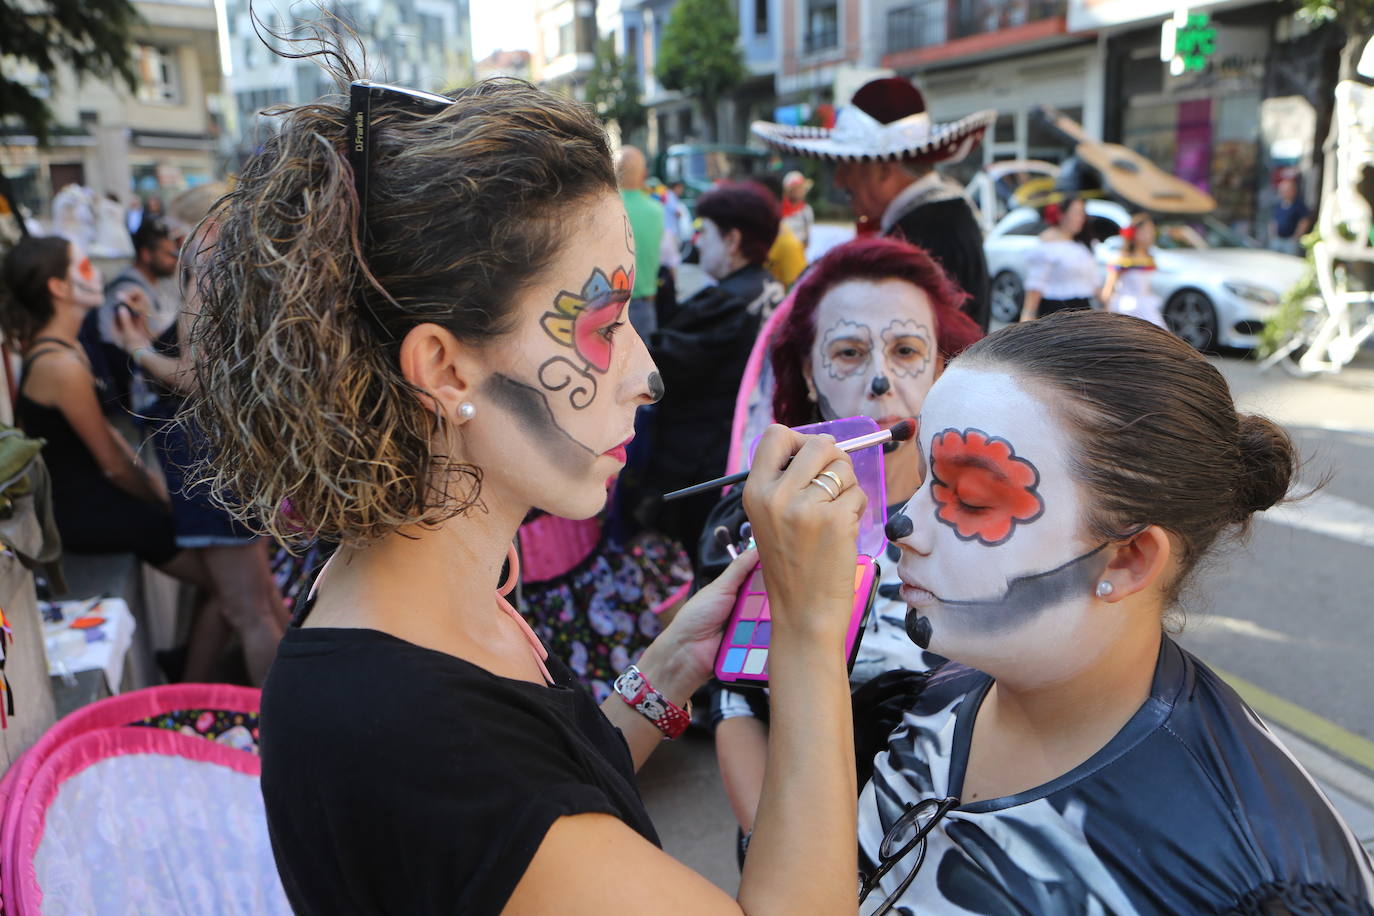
(1131,271)
(886,149)
(1292,217)
(104,499)
(1061,273)
(797,214)
(236,558)
(787,257)
(644,228)
(702,350)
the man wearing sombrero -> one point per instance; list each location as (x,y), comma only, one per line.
(886,148)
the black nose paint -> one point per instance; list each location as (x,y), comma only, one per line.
(880,386)
(918,628)
(898,527)
(656,386)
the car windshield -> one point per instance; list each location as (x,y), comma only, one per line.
(1194,233)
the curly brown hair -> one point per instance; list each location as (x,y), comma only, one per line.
(311,427)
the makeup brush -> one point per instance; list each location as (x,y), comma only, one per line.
(898,432)
(722,535)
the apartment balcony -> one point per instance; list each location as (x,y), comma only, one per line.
(927,31)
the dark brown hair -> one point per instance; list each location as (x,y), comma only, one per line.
(749,207)
(1158,440)
(873,259)
(25,302)
(313,431)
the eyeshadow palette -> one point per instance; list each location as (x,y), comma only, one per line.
(742,660)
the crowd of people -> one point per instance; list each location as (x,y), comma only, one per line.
(476,392)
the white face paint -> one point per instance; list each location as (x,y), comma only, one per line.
(997,560)
(875,355)
(712,250)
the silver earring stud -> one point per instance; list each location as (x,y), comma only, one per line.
(1105,588)
(467,410)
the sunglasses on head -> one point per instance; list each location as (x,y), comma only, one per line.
(362,94)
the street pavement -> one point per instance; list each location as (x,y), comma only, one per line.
(1286,617)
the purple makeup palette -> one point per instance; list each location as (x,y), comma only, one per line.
(742,659)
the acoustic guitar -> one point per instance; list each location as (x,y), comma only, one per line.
(1128,174)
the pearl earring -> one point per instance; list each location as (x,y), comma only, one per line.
(467,410)
(1105,588)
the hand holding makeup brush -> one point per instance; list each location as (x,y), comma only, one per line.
(804,505)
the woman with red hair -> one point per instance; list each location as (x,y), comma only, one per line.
(869,329)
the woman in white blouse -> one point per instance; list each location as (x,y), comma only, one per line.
(1061,274)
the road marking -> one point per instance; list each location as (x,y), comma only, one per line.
(1245,628)
(1324,513)
(1309,725)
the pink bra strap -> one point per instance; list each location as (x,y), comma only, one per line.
(540,653)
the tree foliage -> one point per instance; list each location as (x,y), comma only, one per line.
(90,37)
(698,55)
(613,89)
(1354,17)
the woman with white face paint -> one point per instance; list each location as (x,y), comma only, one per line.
(866,333)
(414,332)
(1071,757)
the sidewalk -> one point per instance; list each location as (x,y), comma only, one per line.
(683,793)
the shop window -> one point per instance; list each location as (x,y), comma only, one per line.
(919,25)
(567,39)
(159,78)
(1004,130)
(822,25)
(761,17)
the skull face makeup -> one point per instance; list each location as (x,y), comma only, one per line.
(565,384)
(994,561)
(875,355)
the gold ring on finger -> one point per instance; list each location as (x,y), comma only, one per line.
(826,486)
(839,484)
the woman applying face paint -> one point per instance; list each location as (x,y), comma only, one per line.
(414,331)
(1071,757)
(104,499)
(867,332)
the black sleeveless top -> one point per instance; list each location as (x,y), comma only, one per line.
(67,457)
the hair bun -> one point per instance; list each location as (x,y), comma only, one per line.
(1268,464)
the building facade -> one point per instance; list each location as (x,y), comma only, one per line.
(425,44)
(156,139)
(565,44)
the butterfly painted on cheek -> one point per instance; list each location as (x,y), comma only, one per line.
(580,320)
(981,487)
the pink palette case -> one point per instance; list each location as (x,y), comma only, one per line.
(742,659)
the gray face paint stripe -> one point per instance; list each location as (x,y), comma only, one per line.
(531,408)
(1027,597)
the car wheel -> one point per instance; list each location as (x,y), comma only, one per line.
(1007,296)
(1191,315)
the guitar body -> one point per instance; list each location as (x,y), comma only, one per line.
(1129,175)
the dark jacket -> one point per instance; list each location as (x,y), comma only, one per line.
(701,351)
(948,231)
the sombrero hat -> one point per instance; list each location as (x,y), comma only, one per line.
(886,121)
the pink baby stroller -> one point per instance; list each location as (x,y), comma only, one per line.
(142,803)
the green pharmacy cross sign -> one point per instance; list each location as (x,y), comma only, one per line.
(1187,41)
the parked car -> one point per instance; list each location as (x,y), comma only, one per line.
(700,165)
(1217,286)
(992,190)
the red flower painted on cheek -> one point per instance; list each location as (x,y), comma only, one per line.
(982,489)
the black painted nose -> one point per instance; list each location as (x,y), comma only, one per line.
(898,527)
(880,386)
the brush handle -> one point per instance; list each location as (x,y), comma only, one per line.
(848,445)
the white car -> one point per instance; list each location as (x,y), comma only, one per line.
(1217,286)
